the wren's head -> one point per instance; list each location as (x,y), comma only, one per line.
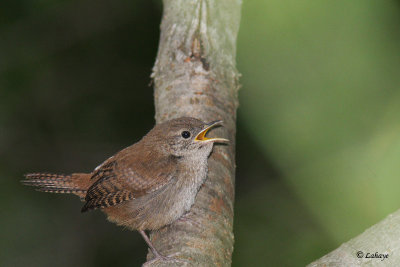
(184,136)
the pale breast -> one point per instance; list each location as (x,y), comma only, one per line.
(163,206)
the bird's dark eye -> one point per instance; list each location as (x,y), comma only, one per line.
(185,134)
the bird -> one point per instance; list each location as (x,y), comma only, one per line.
(147,185)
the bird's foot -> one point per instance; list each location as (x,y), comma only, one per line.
(170,259)
(165,260)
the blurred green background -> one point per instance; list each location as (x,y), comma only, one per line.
(318,145)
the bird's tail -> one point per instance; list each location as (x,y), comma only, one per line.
(76,183)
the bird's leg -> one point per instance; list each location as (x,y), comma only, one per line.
(153,249)
(158,256)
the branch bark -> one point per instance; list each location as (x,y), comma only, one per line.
(382,239)
(195,75)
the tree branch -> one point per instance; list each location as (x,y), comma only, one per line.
(195,75)
(382,239)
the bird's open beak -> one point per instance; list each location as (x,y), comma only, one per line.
(202,135)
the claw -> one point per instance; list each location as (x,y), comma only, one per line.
(170,259)
(158,256)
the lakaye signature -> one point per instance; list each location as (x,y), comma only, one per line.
(376,255)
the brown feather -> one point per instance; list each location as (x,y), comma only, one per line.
(76,183)
(127,175)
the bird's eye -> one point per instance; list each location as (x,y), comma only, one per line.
(185,134)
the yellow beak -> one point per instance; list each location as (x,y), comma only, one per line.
(202,135)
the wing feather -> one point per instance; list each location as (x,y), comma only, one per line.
(127,176)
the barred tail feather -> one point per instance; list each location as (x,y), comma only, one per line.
(76,183)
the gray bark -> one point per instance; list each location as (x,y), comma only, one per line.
(381,241)
(195,75)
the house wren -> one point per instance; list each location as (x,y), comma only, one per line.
(147,185)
